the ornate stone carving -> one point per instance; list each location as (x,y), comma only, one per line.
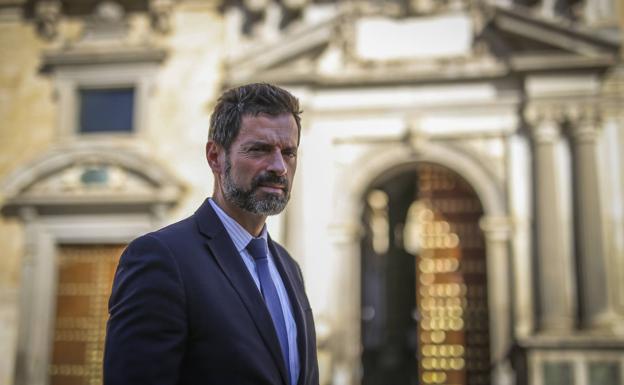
(431,6)
(256,5)
(584,121)
(544,121)
(47,17)
(160,15)
(109,12)
(295,4)
(257,11)
(415,138)
(108,20)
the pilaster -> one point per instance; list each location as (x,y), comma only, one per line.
(344,340)
(497,232)
(589,235)
(555,275)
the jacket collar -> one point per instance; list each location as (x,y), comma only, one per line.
(229,261)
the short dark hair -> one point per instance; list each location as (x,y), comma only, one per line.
(250,99)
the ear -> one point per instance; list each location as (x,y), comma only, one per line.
(213,156)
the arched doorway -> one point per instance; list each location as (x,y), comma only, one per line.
(79,206)
(423,280)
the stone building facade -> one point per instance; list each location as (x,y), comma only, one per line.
(459,208)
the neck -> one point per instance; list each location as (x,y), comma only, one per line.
(253,223)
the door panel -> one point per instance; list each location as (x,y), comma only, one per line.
(84,283)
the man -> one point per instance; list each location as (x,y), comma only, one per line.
(212,299)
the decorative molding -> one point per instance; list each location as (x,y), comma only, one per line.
(297,57)
(11,10)
(75,180)
(11,3)
(554,32)
(108,21)
(296,45)
(496,228)
(99,55)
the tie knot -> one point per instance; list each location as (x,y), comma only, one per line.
(258,248)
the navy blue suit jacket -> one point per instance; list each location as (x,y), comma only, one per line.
(185,310)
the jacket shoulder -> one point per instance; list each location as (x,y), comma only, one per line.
(174,233)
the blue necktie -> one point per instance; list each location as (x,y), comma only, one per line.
(258,249)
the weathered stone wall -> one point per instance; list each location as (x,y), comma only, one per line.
(27,119)
(179,111)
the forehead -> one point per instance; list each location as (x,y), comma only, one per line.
(280,128)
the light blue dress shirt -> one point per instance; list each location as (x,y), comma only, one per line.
(241,237)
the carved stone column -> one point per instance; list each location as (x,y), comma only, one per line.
(589,237)
(555,275)
(497,231)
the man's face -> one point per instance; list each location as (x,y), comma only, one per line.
(260,164)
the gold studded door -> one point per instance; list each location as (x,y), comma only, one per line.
(443,227)
(85,275)
(424,284)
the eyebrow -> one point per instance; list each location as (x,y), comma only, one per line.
(258,143)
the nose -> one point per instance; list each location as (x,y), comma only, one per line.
(277,164)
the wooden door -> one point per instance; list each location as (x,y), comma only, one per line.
(424,284)
(85,276)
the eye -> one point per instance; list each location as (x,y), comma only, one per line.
(290,153)
(258,149)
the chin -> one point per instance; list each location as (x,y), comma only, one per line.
(274,205)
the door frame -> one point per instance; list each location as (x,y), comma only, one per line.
(37,302)
(52,216)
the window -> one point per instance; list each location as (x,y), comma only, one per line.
(106,110)
(101,102)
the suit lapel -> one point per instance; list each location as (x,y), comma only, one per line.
(289,278)
(230,262)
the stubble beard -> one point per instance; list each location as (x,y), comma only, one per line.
(251,199)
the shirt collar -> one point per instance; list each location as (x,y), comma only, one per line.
(237,233)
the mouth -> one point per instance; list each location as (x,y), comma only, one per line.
(273,188)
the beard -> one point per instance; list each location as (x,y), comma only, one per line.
(253,200)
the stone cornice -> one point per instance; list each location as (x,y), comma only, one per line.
(100,55)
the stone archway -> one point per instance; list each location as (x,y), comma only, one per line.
(494,223)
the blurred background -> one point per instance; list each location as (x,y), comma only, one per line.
(458,208)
